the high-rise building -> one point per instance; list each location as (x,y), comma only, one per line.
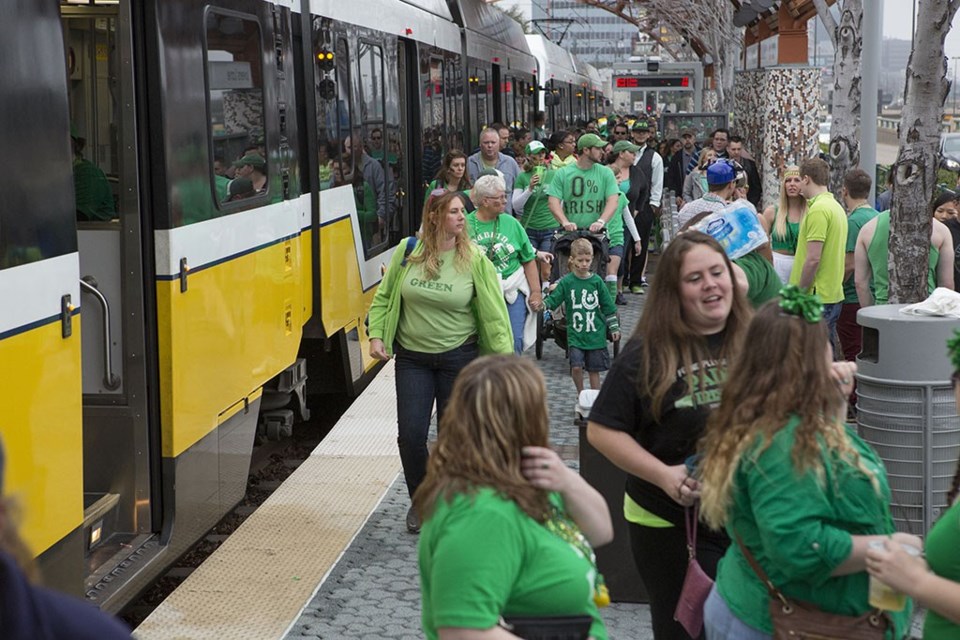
(594,35)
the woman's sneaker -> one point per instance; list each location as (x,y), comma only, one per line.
(620,299)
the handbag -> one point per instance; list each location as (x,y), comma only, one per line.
(548,627)
(696,582)
(799,620)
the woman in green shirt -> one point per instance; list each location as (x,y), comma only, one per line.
(531,204)
(509,529)
(438,306)
(782,222)
(787,478)
(452,176)
(934,582)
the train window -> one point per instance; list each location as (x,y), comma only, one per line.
(236,116)
(509,111)
(333,103)
(434,95)
(453,111)
(480,113)
(372,178)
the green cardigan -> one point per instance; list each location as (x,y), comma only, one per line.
(493,323)
(799,530)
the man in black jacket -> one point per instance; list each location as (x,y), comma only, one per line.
(754,189)
(677,168)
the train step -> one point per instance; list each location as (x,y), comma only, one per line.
(99,518)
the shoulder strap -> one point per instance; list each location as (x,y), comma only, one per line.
(774,592)
(411,243)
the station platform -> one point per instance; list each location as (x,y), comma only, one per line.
(328,554)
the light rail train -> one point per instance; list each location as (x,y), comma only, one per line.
(141,342)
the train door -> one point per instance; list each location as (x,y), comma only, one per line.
(119,497)
(40,397)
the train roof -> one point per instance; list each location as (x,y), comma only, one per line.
(427,21)
(492,35)
(555,62)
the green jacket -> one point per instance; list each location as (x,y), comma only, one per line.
(493,323)
(799,530)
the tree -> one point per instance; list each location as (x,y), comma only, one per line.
(847,39)
(915,171)
(517,14)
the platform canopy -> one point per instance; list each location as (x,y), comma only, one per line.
(761,18)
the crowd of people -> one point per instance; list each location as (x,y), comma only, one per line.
(700,409)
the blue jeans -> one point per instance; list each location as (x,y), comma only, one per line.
(831,313)
(518,316)
(719,623)
(541,239)
(421,379)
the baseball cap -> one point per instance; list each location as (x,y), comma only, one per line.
(534,146)
(642,124)
(254,160)
(720,172)
(241,187)
(625,145)
(590,140)
(688,131)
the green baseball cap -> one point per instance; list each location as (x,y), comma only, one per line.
(254,160)
(625,145)
(590,140)
(642,124)
(535,146)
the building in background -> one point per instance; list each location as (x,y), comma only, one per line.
(592,34)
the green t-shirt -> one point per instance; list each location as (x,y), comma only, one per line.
(536,211)
(798,527)
(584,192)
(482,557)
(436,315)
(762,279)
(858,217)
(503,240)
(941,551)
(824,222)
(877,255)
(94,199)
(589,310)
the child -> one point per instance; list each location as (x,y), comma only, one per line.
(586,297)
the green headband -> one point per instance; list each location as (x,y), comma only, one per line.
(796,302)
(953,349)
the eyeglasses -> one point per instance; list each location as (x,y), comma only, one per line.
(376,137)
(502,196)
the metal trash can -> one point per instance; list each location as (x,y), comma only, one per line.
(614,560)
(906,409)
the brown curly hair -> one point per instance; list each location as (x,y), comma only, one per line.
(669,341)
(497,407)
(786,354)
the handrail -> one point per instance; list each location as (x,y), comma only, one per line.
(111,381)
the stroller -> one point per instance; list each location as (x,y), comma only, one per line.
(554,324)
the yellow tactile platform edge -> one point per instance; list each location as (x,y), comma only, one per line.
(258,581)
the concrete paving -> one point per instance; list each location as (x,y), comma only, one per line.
(373,592)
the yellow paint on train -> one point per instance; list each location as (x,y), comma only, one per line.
(42,431)
(237,326)
(306,273)
(343,302)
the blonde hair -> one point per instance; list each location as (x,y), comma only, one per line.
(579,247)
(786,354)
(497,407)
(433,235)
(705,158)
(782,214)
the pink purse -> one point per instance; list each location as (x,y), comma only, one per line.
(696,583)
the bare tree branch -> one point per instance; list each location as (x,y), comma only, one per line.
(827,19)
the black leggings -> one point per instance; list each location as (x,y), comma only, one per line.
(644,220)
(661,559)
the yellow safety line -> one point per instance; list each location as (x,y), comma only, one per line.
(259,580)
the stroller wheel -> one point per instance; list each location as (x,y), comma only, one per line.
(538,346)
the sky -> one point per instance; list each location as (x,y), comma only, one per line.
(896,21)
